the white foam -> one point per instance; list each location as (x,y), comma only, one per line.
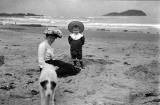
(64,22)
(122,25)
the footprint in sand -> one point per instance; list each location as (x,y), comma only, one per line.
(8,74)
(30,82)
(100,48)
(106,56)
(127,54)
(16,45)
(34,92)
(5,47)
(8,87)
(90,55)
(126,63)
(1,60)
(91,92)
(143,97)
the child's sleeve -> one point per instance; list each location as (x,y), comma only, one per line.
(69,39)
(83,40)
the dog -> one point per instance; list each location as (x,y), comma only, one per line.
(48,84)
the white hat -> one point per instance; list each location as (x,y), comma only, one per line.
(53,31)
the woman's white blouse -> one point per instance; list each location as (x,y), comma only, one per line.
(45,52)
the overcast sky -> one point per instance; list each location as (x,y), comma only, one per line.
(78,7)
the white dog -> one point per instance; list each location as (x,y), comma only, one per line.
(48,84)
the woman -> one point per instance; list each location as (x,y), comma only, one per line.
(46,54)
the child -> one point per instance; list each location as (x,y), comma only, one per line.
(76,40)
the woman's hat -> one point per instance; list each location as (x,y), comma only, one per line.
(76,23)
(53,31)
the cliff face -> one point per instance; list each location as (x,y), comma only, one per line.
(127,13)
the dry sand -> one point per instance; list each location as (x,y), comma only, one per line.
(121,68)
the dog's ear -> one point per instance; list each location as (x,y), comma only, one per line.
(53,85)
(43,84)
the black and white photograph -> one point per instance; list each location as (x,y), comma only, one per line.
(79,52)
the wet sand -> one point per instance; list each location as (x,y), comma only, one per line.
(121,68)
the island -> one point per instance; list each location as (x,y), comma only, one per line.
(17,14)
(127,13)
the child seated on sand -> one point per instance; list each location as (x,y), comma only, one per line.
(76,40)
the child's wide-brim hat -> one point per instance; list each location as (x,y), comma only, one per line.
(53,31)
(76,23)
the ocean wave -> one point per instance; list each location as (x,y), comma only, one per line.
(103,25)
(64,22)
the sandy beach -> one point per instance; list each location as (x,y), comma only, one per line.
(121,68)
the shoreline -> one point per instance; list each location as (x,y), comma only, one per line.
(132,29)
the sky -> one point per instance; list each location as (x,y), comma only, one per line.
(78,8)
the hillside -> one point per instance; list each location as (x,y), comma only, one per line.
(127,13)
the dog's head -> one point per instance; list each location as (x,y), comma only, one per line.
(48,87)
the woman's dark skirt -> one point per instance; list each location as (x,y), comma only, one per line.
(65,69)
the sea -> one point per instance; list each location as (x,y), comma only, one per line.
(100,22)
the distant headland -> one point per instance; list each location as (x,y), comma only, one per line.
(127,13)
(17,14)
